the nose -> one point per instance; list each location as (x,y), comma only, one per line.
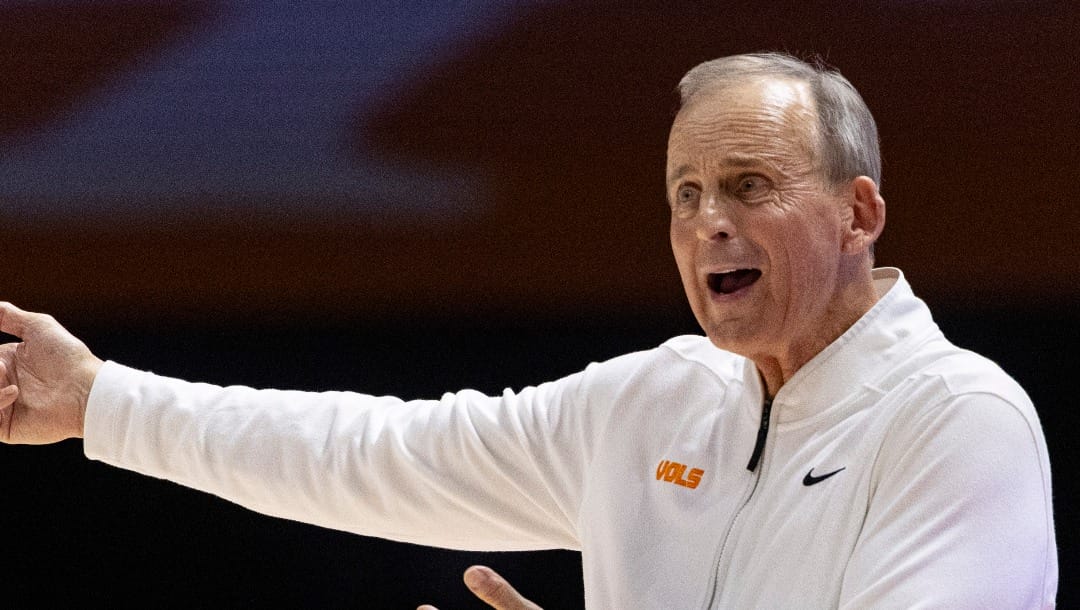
(714,220)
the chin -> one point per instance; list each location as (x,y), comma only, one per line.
(726,340)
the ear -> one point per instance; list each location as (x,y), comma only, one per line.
(864,218)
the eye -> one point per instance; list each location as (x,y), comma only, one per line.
(751,186)
(686,195)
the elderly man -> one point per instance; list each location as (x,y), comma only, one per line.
(825,446)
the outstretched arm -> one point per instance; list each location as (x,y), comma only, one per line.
(44,379)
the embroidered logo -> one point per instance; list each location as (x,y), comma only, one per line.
(811,479)
(674,472)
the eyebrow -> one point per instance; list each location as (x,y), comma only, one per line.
(684,169)
(735,159)
(744,160)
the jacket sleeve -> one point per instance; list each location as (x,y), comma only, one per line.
(961,513)
(467,471)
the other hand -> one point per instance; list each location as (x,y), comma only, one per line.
(493,590)
(44,380)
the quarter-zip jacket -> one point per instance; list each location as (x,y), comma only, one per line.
(897,470)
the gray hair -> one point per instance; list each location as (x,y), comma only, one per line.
(849,140)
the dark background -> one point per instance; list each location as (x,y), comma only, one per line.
(552,120)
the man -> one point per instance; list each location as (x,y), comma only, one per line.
(825,446)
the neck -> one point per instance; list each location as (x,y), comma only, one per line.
(777,366)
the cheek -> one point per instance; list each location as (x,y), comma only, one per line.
(681,245)
(807,276)
(806,225)
(795,253)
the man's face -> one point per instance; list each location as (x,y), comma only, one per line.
(755,231)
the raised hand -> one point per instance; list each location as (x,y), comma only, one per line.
(493,590)
(44,380)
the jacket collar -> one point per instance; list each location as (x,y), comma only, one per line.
(865,353)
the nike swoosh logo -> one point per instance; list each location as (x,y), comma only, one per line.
(810,479)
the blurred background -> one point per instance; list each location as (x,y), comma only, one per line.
(412,197)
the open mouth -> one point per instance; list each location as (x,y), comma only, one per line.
(732,281)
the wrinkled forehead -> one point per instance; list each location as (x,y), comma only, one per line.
(766,116)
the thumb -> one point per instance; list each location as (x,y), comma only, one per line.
(493,589)
(13,320)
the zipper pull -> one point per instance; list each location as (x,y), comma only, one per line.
(762,433)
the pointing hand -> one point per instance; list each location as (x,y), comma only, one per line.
(44,380)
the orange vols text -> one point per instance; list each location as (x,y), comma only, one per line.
(674,472)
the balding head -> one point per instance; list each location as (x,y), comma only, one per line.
(848,140)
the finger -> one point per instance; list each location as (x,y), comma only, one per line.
(426,607)
(13,320)
(486,584)
(8,395)
(7,398)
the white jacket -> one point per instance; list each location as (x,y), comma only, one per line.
(897,470)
